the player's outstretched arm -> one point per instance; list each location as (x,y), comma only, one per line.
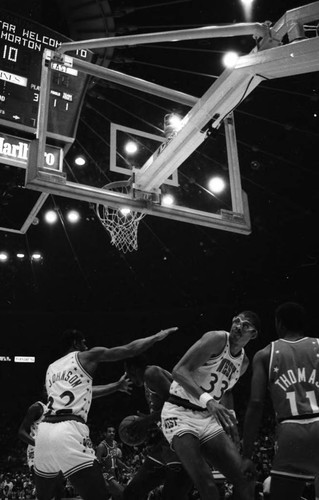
(91,358)
(124,384)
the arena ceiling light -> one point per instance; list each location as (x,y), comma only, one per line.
(131,147)
(168,200)
(73,216)
(80,160)
(51,216)
(3,256)
(230,59)
(216,185)
(36,256)
(248,7)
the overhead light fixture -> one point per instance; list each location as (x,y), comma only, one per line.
(216,185)
(51,216)
(125,211)
(20,255)
(172,124)
(36,256)
(80,160)
(230,59)
(73,216)
(167,200)
(131,147)
(3,256)
(248,7)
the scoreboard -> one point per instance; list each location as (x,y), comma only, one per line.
(22,42)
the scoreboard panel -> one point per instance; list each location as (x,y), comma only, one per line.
(22,42)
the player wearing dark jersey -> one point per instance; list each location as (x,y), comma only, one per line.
(161,465)
(109,455)
(290,368)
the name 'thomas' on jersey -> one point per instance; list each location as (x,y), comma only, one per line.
(294,378)
(69,387)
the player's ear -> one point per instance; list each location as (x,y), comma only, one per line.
(254,334)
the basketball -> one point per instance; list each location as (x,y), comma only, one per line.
(129,437)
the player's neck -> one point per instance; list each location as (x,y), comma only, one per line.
(293,336)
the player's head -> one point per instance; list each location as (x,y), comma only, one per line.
(109,433)
(135,369)
(290,317)
(73,340)
(245,325)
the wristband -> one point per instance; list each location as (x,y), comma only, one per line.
(204,398)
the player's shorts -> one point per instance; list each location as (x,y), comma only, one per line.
(298,444)
(177,421)
(63,446)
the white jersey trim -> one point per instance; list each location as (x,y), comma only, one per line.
(81,366)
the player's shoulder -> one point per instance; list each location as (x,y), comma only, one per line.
(263,355)
(215,336)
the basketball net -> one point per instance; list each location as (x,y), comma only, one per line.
(121,223)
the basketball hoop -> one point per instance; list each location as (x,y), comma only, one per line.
(122,223)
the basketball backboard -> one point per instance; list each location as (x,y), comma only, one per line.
(283,50)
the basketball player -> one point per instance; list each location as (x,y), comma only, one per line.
(161,466)
(109,455)
(35,414)
(63,443)
(289,367)
(195,423)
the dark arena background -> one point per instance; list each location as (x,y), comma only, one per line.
(68,274)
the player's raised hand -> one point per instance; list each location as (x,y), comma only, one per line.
(163,333)
(125,384)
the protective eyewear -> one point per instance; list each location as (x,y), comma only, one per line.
(244,324)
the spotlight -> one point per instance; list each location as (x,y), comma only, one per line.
(36,256)
(125,211)
(216,185)
(172,124)
(20,255)
(131,147)
(80,160)
(51,216)
(230,59)
(167,200)
(3,256)
(73,216)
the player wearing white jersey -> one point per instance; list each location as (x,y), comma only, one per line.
(28,429)
(195,421)
(63,442)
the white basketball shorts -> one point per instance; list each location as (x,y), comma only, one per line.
(63,446)
(177,421)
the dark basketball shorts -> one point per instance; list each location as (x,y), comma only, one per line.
(297,449)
